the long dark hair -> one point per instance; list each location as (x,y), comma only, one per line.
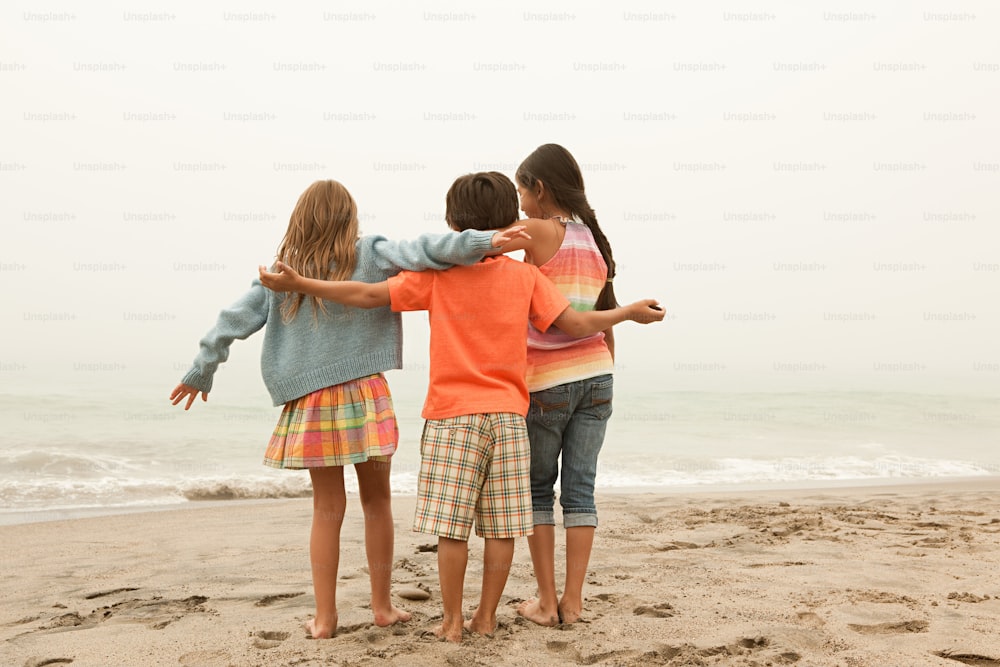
(555,167)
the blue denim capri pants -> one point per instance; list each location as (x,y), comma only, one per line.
(566,426)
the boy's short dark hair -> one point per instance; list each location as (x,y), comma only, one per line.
(484,200)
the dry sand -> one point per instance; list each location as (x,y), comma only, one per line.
(899,575)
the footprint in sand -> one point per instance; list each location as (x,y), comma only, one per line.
(268,600)
(882,597)
(689,654)
(348,629)
(566,652)
(101,594)
(673,546)
(784,563)
(70,620)
(595,658)
(410,566)
(26,619)
(968,658)
(933,542)
(810,619)
(968,597)
(662,610)
(902,627)
(264,639)
(158,613)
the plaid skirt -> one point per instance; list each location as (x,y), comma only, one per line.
(348,423)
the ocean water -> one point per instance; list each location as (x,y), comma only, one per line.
(64,456)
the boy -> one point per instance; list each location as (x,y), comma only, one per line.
(474,448)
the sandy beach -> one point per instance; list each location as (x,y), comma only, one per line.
(891,575)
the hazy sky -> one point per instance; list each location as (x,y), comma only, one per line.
(810,189)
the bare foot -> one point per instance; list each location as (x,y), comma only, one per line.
(481,624)
(393,616)
(570,613)
(532,610)
(450,632)
(317,631)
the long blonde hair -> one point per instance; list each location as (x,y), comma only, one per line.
(320,240)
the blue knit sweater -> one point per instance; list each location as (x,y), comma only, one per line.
(342,344)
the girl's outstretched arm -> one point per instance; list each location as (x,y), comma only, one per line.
(346,292)
(183,391)
(239,321)
(441,251)
(580,324)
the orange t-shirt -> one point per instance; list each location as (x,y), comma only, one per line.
(478,343)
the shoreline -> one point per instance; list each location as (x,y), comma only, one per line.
(21,517)
(846,485)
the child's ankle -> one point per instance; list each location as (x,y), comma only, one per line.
(385,616)
(322,628)
(483,622)
(451,627)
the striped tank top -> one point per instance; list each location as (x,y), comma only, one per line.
(579,271)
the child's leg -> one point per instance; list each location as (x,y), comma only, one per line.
(550,410)
(451,478)
(579,540)
(453,556)
(376,503)
(582,441)
(497,557)
(504,512)
(329,503)
(544,609)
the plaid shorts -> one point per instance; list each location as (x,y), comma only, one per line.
(475,467)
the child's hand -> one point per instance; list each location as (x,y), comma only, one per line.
(646,311)
(183,391)
(505,236)
(282,281)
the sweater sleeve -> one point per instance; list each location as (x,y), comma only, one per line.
(240,320)
(431,251)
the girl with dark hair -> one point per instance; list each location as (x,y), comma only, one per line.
(569,378)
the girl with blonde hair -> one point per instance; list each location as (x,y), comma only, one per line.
(324,362)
